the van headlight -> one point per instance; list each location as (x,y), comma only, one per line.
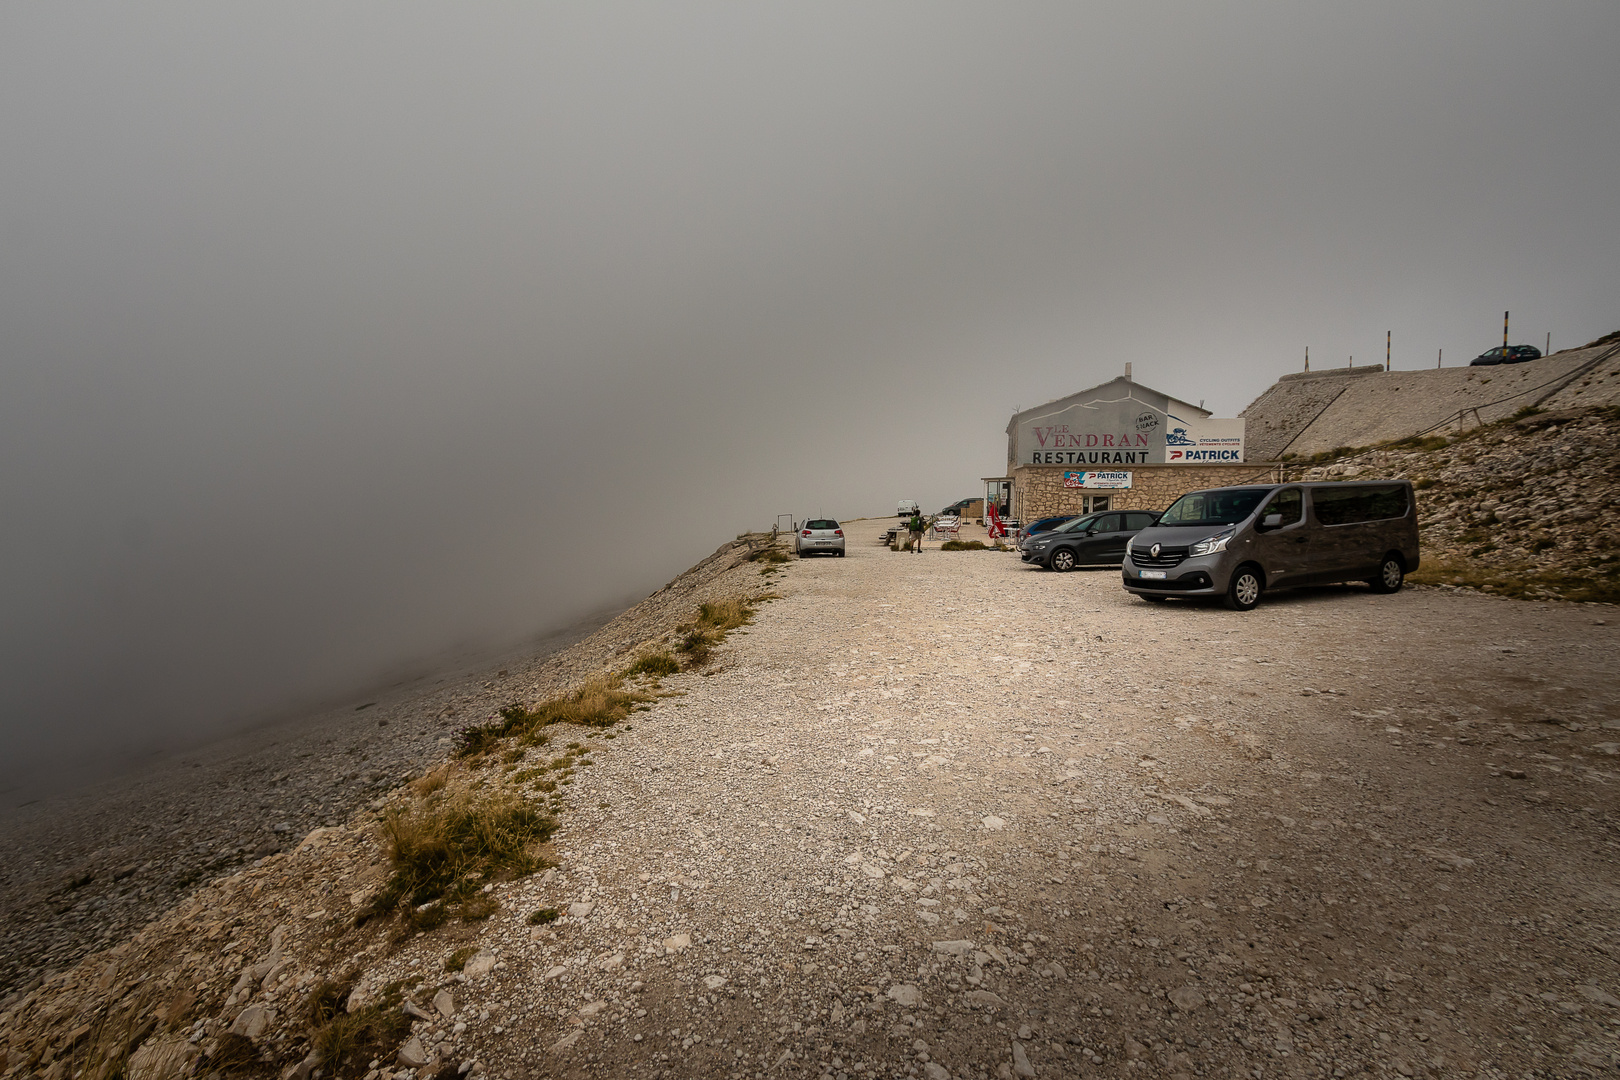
(1214,543)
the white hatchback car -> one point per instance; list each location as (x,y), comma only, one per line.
(819,535)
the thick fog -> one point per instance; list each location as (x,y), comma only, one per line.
(333,337)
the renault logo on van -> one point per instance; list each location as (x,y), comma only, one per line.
(1154,551)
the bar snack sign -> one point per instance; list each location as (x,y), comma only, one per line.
(1097,481)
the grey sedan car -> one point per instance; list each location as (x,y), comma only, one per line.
(819,535)
(1096,539)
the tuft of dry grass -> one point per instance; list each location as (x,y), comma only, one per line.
(654,665)
(963,545)
(344,1038)
(601,702)
(713,623)
(431,782)
(440,851)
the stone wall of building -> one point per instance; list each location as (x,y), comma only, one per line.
(1038,491)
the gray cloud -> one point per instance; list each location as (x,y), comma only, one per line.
(333,336)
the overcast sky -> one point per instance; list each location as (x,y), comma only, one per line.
(333,335)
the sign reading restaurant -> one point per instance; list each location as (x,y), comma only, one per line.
(1125,432)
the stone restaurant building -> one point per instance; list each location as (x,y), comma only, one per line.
(1118,446)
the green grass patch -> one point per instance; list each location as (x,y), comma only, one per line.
(1599,584)
(542,916)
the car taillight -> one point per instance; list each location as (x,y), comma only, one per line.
(807,532)
(838,532)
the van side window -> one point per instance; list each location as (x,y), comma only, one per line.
(1138,522)
(1287,503)
(1345,506)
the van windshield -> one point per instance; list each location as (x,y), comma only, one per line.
(1227,506)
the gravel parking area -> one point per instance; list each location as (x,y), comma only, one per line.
(946,815)
(943,814)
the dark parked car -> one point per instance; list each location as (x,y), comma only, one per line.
(1506,354)
(1096,539)
(1040,525)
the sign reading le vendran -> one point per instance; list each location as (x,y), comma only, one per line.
(1126,433)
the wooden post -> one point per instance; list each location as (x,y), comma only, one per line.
(1439,358)
(1504,329)
(1386,349)
(1307,358)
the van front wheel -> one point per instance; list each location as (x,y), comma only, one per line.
(1391,575)
(1244,591)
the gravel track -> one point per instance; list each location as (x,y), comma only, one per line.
(945,812)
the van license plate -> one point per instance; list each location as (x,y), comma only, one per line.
(1157,575)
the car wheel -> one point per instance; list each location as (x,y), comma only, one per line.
(1391,575)
(840,553)
(1245,588)
(1063,560)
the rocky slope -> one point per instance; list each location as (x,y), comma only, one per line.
(1527,507)
(79,874)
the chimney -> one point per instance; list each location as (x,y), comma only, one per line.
(1127,372)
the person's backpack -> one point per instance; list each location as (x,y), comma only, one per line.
(916,524)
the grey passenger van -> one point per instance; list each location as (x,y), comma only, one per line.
(1237,542)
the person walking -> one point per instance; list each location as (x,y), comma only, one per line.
(916,527)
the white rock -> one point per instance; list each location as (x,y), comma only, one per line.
(611,963)
(872,870)
(953,948)
(1599,995)
(445,1002)
(905,994)
(993,823)
(982,997)
(1021,1065)
(481,964)
(714,982)
(856,818)
(252,1022)
(161,1059)
(1186,998)
(677,943)
(411,1055)
(552,973)
(581,908)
